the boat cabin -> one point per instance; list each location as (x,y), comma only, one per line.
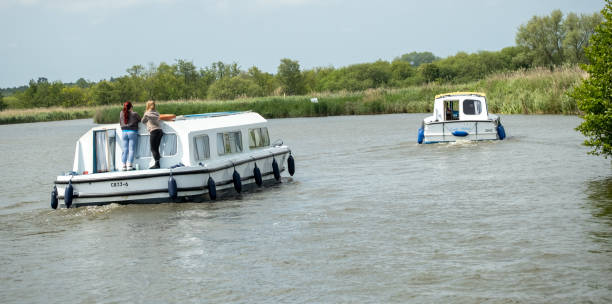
(187,141)
(460,106)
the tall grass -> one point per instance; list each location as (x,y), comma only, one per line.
(45,114)
(535,91)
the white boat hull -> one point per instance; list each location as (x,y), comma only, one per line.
(151,186)
(460,116)
(450,131)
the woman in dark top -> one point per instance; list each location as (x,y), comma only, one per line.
(128,120)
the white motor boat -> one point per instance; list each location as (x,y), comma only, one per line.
(460,116)
(201,154)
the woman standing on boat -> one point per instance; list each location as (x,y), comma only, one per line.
(151,119)
(128,120)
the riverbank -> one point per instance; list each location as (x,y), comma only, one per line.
(536,91)
(45,114)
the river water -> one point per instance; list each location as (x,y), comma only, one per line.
(369,217)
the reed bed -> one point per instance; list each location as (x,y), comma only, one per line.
(45,114)
(535,91)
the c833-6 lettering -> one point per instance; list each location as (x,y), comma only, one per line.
(118,184)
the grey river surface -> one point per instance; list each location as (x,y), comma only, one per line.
(369,217)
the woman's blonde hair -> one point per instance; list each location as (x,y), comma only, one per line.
(150,105)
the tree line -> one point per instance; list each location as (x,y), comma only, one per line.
(548,41)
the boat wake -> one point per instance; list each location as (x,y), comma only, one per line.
(92,212)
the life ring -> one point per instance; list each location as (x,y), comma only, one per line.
(212,189)
(167,117)
(291,165)
(54,201)
(257,175)
(275,169)
(172,188)
(68,194)
(237,181)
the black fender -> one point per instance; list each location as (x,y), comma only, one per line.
(212,189)
(291,165)
(172,188)
(54,201)
(237,181)
(68,194)
(257,175)
(275,169)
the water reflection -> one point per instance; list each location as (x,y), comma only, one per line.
(599,194)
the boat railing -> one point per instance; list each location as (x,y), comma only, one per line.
(210,115)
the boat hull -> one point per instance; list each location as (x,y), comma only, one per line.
(152,186)
(450,131)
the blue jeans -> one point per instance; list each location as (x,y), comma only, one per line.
(128,145)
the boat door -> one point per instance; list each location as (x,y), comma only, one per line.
(104,150)
(451,110)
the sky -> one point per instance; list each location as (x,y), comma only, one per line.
(97,39)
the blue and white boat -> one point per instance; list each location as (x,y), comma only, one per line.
(201,155)
(460,116)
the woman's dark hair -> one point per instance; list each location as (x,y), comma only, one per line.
(127,106)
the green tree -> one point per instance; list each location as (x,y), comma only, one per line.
(136,70)
(232,88)
(315,79)
(429,71)
(290,77)
(82,83)
(594,95)
(104,93)
(72,96)
(188,76)
(222,70)
(265,81)
(516,57)
(400,70)
(129,88)
(552,40)
(578,31)
(543,37)
(206,78)
(165,83)
(2,104)
(416,59)
(41,93)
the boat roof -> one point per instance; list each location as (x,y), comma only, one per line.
(217,120)
(208,121)
(461,93)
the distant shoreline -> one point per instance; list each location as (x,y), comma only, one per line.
(538,91)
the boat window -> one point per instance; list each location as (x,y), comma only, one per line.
(229,142)
(201,147)
(258,137)
(167,146)
(471,107)
(104,150)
